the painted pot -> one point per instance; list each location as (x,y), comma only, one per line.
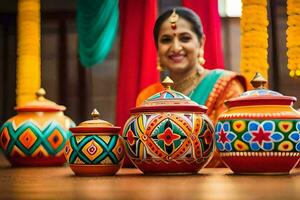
(37,135)
(260,131)
(95,148)
(169,133)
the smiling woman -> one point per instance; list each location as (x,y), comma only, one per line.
(180,40)
(179,49)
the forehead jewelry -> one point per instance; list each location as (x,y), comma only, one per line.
(173,19)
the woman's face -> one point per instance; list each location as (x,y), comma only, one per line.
(178,49)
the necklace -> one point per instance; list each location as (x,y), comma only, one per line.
(189,83)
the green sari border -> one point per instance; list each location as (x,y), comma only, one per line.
(205,87)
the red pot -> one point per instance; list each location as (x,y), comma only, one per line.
(260,132)
(169,133)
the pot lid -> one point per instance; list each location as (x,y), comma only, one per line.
(260,95)
(40,104)
(95,125)
(169,100)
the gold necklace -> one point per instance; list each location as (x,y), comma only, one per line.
(188,84)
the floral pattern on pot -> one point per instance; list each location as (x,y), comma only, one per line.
(258,135)
(295,136)
(262,136)
(224,136)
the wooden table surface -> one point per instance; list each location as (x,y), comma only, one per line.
(209,183)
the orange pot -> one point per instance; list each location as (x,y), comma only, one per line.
(95,148)
(260,132)
(37,135)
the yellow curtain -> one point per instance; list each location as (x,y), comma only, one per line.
(254,39)
(28,51)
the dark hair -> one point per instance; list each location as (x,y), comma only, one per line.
(185,13)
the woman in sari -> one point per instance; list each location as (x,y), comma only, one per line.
(179,40)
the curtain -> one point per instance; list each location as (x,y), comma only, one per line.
(97,25)
(208,12)
(137,63)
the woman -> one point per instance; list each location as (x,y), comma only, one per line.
(180,42)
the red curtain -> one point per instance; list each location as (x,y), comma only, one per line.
(137,65)
(208,12)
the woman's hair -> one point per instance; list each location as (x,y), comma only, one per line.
(185,13)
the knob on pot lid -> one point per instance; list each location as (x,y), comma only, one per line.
(95,125)
(260,95)
(40,104)
(169,100)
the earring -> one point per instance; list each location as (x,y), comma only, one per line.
(158,67)
(201,59)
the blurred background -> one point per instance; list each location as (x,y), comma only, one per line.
(81,89)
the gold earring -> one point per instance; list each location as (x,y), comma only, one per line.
(158,67)
(201,60)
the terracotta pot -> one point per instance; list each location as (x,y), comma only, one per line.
(169,133)
(260,132)
(95,148)
(37,135)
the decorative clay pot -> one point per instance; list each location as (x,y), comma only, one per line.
(169,133)
(260,132)
(37,135)
(95,148)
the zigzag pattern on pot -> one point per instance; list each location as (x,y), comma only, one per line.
(28,139)
(94,149)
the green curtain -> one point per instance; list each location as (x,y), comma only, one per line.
(97,25)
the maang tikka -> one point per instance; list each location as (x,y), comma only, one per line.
(173,19)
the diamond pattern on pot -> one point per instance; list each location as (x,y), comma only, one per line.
(92,150)
(4,139)
(27,138)
(169,136)
(40,152)
(55,139)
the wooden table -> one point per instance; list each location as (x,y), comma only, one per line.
(60,183)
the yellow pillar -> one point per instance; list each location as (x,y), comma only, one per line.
(293,37)
(254,39)
(28,51)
